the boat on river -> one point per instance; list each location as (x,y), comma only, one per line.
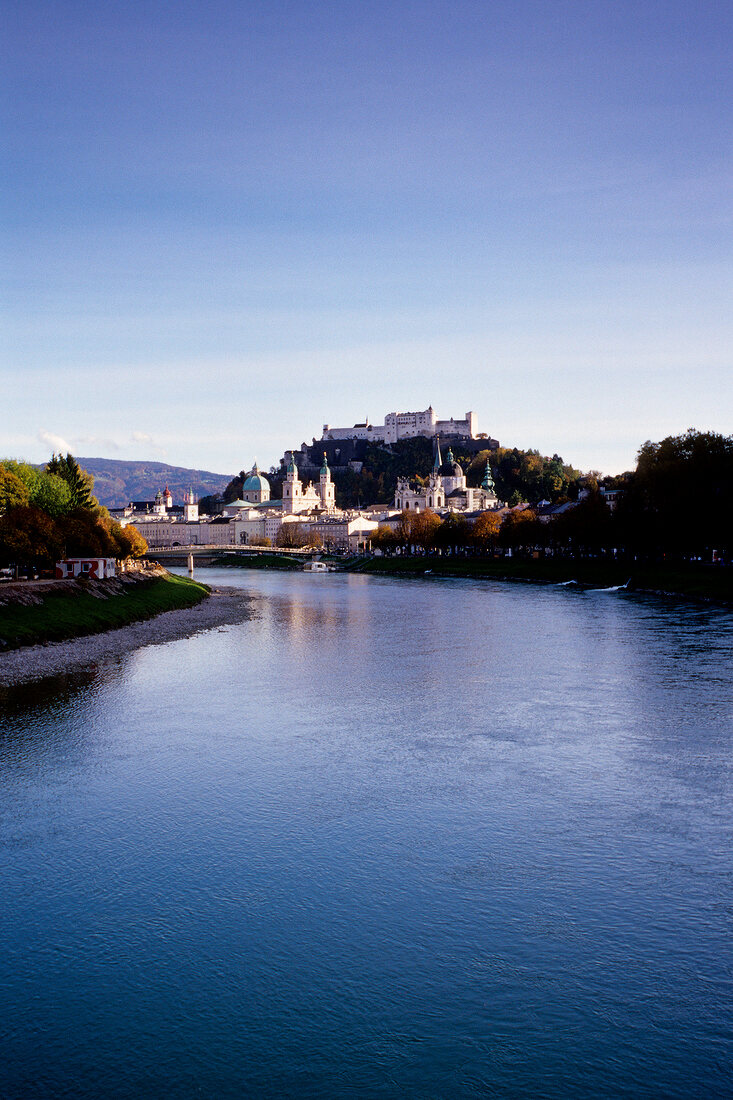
(318,567)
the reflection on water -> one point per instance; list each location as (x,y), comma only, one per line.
(422,837)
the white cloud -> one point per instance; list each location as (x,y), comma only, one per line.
(55,442)
(149,442)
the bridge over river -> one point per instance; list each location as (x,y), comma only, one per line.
(206,553)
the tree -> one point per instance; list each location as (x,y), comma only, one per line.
(520,529)
(454,533)
(486,529)
(212,504)
(587,528)
(291,536)
(29,537)
(529,476)
(79,481)
(47,491)
(424,527)
(414,529)
(130,543)
(679,500)
(13,492)
(383,538)
(88,534)
(53,494)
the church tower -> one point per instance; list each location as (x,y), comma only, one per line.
(327,489)
(190,507)
(488,490)
(292,490)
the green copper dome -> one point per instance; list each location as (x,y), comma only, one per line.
(255,483)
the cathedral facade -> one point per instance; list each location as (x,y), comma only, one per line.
(299,498)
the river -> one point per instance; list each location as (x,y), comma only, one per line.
(385,838)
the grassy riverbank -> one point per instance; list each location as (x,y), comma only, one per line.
(695,581)
(73,610)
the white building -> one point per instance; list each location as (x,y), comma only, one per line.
(407,425)
(92,568)
(446,488)
(299,498)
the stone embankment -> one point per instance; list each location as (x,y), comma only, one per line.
(28,593)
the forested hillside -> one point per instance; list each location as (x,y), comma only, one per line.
(519,475)
(116,482)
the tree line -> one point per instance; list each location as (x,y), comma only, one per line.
(676,505)
(51,512)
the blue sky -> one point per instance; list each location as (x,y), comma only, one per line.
(227,223)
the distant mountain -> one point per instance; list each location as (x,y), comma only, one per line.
(116,482)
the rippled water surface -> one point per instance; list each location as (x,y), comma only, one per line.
(387,838)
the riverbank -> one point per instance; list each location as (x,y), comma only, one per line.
(34,662)
(52,611)
(261,561)
(712,583)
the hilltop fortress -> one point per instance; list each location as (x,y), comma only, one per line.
(406,425)
(307,508)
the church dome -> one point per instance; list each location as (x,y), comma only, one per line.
(255,483)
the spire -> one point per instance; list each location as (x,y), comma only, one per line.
(449,457)
(438,460)
(488,483)
(292,468)
(325,472)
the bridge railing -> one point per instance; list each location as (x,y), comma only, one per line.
(208,548)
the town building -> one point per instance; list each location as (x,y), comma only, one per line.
(254,519)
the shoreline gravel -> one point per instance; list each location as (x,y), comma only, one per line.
(224,606)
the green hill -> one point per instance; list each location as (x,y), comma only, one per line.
(116,481)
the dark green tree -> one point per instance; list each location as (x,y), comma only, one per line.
(79,481)
(679,500)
